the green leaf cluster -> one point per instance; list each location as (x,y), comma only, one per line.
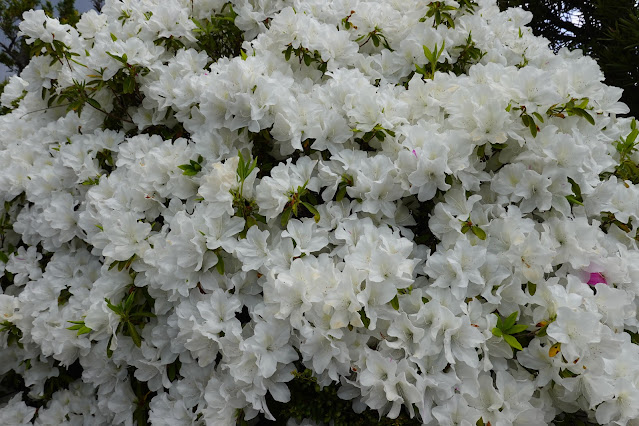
(14,334)
(347,180)
(123,86)
(572,108)
(245,208)
(218,35)
(576,197)
(433,57)
(122,264)
(627,169)
(193,168)
(346,21)
(306,56)
(440,11)
(80,327)
(378,132)
(302,197)
(376,36)
(506,328)
(58,51)
(528,120)
(134,311)
(468,225)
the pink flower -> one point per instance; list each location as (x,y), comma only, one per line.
(596,278)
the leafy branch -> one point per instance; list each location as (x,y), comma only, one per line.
(133,315)
(193,168)
(376,37)
(468,225)
(300,197)
(627,169)
(571,108)
(433,58)
(306,56)
(244,207)
(506,328)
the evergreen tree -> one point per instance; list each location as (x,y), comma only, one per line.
(603,29)
(14,52)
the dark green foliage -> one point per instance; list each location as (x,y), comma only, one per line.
(626,147)
(134,312)
(14,52)
(573,419)
(143,397)
(13,382)
(218,36)
(323,405)
(306,56)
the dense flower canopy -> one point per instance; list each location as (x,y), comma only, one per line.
(418,202)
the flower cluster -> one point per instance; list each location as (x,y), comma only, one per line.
(418,203)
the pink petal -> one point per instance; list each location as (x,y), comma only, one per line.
(596,278)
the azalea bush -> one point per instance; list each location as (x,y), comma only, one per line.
(415,210)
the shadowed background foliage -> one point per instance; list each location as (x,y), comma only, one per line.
(606,30)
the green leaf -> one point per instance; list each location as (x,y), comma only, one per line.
(286,215)
(117,58)
(219,266)
(533,128)
(510,321)
(114,308)
(95,104)
(188,169)
(341,193)
(630,139)
(128,304)
(532,288)
(512,341)
(395,303)
(573,200)
(465,228)
(517,328)
(84,330)
(307,59)
(539,117)
(129,85)
(582,113)
(109,352)
(365,320)
(133,332)
(497,332)
(113,37)
(3,257)
(313,211)
(478,232)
